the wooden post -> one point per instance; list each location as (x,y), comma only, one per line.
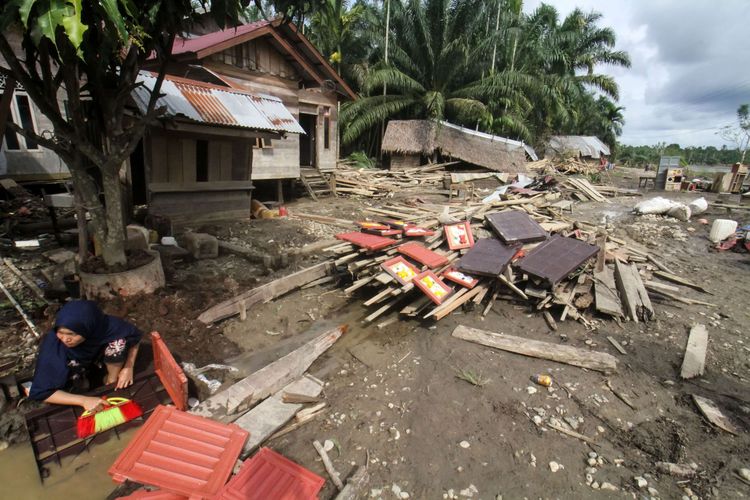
(7,98)
(280,190)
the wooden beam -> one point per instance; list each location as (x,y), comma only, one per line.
(270,415)
(265,293)
(5,102)
(632,292)
(694,362)
(229,404)
(592,360)
(605,294)
(297,57)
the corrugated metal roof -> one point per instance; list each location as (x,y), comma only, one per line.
(183,45)
(529,150)
(205,103)
(586,145)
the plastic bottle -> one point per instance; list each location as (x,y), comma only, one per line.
(544,380)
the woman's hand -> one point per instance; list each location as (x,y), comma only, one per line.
(92,404)
(124,378)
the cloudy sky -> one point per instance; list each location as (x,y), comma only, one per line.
(691,65)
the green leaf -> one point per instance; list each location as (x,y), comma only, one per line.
(50,18)
(24,9)
(74,28)
(113,13)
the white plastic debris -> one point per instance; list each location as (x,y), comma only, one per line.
(722,229)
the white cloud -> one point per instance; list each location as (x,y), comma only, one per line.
(690,65)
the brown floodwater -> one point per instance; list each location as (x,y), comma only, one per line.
(81,477)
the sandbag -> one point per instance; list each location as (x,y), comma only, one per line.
(680,212)
(658,205)
(698,206)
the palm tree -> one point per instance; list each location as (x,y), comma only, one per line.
(430,62)
(342,31)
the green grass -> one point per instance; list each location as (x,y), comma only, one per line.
(472,377)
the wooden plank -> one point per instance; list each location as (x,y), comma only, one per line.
(592,360)
(616,345)
(26,280)
(657,286)
(632,292)
(694,362)
(680,281)
(709,410)
(229,404)
(270,415)
(353,489)
(265,293)
(456,304)
(605,294)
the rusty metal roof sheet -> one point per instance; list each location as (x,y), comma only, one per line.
(213,105)
(181,453)
(556,258)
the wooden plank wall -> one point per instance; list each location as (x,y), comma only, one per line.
(173,159)
(204,206)
(273,78)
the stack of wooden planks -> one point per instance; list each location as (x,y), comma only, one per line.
(568,166)
(378,183)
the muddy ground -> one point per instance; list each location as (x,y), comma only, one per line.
(394,394)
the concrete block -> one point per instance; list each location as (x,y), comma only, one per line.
(201,245)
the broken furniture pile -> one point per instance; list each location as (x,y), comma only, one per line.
(526,252)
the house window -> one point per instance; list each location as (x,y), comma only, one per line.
(21,113)
(201,161)
(261,143)
(327,127)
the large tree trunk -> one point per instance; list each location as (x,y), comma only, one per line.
(113,249)
(107,222)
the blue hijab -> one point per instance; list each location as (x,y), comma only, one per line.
(55,360)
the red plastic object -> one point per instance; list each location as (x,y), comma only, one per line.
(153,495)
(423,255)
(433,287)
(459,235)
(269,475)
(364,240)
(400,269)
(462,279)
(416,232)
(169,372)
(181,453)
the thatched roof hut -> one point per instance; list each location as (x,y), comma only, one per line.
(417,138)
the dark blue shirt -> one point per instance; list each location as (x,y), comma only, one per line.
(56,361)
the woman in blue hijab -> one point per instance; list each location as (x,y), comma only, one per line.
(82,335)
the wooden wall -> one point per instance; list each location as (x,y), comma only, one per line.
(174,191)
(270,73)
(400,162)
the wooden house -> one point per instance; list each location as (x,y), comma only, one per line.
(276,65)
(411,143)
(20,159)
